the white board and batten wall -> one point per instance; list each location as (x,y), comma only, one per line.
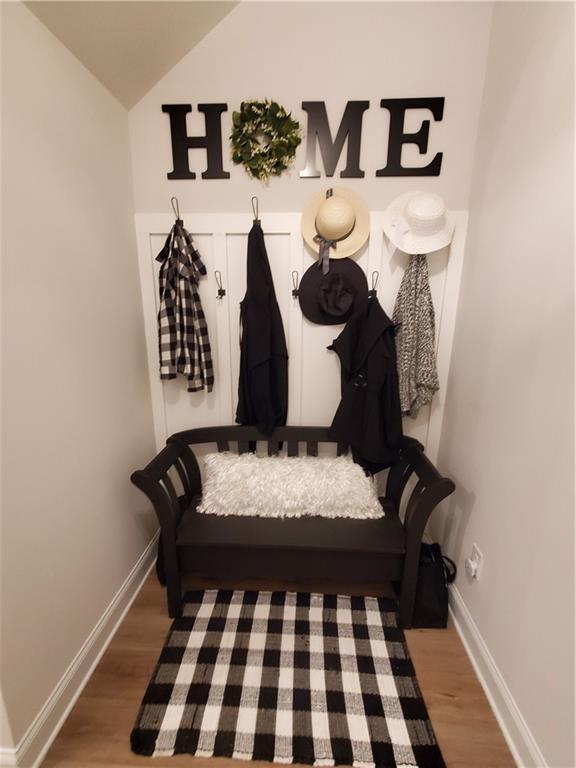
(314,371)
(393,53)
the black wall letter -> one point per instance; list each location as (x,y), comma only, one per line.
(397,137)
(181,142)
(350,128)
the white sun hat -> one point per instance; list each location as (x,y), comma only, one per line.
(339,217)
(418,222)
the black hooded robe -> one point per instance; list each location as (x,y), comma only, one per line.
(369,418)
(263,383)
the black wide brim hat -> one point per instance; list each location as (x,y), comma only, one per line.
(333,298)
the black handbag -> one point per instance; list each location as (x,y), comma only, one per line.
(435,572)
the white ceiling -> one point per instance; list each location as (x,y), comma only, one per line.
(129,45)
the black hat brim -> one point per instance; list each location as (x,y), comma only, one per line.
(309,291)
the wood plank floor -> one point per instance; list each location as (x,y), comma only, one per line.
(97,731)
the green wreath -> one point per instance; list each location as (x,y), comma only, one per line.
(264,138)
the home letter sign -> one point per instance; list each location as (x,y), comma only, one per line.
(349,132)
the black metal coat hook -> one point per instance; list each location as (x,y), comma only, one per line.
(295,282)
(176,209)
(221,291)
(375,278)
(254,201)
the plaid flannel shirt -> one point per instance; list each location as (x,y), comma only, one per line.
(183,343)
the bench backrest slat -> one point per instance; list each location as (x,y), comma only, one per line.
(221,435)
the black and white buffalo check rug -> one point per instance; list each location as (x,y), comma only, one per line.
(290,678)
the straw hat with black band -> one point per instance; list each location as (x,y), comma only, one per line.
(335,225)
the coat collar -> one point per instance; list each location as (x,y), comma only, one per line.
(360,335)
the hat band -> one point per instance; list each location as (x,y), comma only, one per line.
(324,252)
(325,245)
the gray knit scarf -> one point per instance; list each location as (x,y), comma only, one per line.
(415,338)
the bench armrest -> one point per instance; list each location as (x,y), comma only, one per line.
(155,481)
(428,492)
(423,500)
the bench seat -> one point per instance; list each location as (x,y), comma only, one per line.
(379,536)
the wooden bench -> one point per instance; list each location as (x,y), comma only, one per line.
(385,549)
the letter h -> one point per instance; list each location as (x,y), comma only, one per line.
(211,141)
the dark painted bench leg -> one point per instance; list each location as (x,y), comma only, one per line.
(174,597)
(408,588)
(406,610)
(161,575)
(172,574)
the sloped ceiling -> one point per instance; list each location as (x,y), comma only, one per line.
(129,45)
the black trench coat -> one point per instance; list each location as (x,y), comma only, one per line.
(263,383)
(369,417)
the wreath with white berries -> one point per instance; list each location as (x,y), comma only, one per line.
(264,138)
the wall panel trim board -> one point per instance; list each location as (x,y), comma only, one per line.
(31,750)
(314,372)
(518,735)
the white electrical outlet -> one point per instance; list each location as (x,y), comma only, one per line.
(474,563)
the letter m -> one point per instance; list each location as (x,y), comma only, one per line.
(318,129)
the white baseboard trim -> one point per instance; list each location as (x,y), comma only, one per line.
(519,738)
(37,740)
(7,757)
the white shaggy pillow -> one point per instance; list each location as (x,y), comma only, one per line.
(279,486)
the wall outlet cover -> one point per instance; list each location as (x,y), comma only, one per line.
(477,558)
